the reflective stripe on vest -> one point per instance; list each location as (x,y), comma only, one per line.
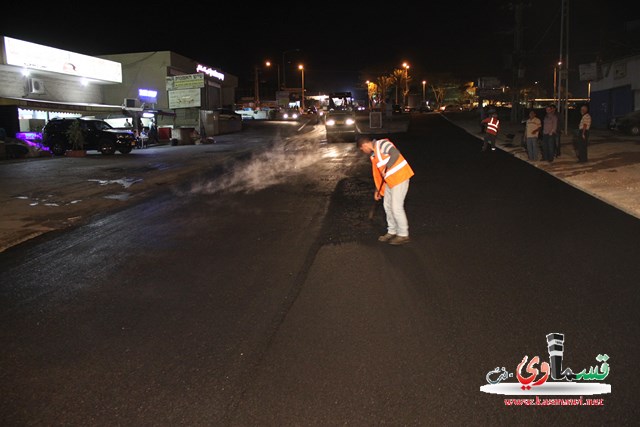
(398,173)
(492,126)
(395,169)
(381,161)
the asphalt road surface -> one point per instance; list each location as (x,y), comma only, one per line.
(258,295)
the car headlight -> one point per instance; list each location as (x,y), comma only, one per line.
(331,122)
(349,122)
(294,116)
(285,115)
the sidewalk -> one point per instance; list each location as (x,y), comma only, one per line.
(612,173)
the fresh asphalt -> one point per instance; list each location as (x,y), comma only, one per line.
(212,306)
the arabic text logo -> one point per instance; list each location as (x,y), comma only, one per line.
(541,377)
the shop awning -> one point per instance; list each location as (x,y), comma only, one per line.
(37,104)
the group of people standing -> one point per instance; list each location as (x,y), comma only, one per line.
(546,132)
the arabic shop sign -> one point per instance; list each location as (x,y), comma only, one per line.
(210,72)
(541,377)
(184,98)
(187,81)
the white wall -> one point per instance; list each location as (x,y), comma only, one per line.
(13,85)
(619,73)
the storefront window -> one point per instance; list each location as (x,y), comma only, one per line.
(34,120)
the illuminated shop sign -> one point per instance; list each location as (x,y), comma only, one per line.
(38,57)
(210,72)
(147,93)
(186,81)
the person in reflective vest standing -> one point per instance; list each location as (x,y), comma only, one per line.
(491,127)
(391,175)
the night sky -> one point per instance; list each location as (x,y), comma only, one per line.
(341,44)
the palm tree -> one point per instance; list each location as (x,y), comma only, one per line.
(384,83)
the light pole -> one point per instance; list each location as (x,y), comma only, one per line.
(424,84)
(301,68)
(256,89)
(406,82)
(284,67)
(556,93)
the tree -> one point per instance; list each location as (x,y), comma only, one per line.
(438,93)
(75,135)
(467,92)
(440,85)
(384,83)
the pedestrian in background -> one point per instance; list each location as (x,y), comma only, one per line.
(391,175)
(583,134)
(153,133)
(549,133)
(491,126)
(532,129)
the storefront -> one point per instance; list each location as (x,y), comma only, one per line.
(40,82)
(164,81)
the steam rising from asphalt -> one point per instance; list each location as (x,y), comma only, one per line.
(265,169)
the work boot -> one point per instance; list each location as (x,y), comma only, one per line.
(399,240)
(387,237)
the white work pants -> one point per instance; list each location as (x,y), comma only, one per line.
(393,203)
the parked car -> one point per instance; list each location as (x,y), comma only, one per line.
(98,135)
(629,124)
(451,108)
(228,114)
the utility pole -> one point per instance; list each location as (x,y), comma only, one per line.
(518,62)
(563,72)
(256,90)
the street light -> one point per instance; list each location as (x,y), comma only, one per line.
(424,84)
(556,89)
(301,68)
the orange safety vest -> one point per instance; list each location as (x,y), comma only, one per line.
(492,126)
(394,175)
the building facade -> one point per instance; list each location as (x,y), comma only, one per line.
(178,92)
(615,90)
(40,82)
